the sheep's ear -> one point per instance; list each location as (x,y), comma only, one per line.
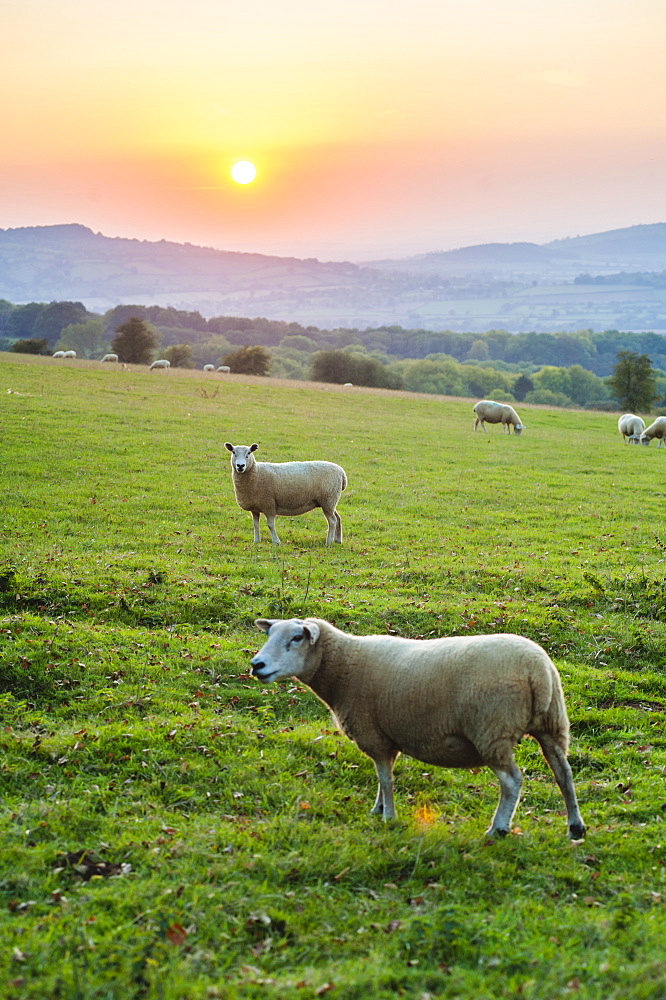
(228,446)
(312,629)
(265,623)
(253,447)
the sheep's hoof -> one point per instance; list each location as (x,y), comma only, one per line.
(497,832)
(577,831)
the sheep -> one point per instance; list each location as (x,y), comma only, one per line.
(69,354)
(209,368)
(497,413)
(223,368)
(459,702)
(631,426)
(286,489)
(162,363)
(58,354)
(655,430)
(110,357)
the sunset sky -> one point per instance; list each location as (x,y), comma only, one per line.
(378,128)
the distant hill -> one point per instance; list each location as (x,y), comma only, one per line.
(514,286)
(631,249)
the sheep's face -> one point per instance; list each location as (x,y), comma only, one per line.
(517,428)
(289,651)
(644,440)
(242,458)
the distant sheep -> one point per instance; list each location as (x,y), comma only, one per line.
(347,385)
(209,368)
(286,489)
(461,702)
(69,354)
(655,430)
(58,354)
(113,358)
(630,426)
(162,363)
(497,413)
(223,368)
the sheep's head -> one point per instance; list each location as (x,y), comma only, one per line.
(517,428)
(242,458)
(644,440)
(289,651)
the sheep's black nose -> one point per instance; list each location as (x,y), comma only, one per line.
(256,665)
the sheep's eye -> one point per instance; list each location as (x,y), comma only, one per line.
(297,638)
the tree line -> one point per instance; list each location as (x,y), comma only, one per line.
(533,367)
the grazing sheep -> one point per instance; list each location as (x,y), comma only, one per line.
(457,702)
(58,354)
(162,363)
(347,385)
(286,489)
(223,368)
(630,426)
(110,357)
(209,368)
(69,354)
(497,413)
(655,430)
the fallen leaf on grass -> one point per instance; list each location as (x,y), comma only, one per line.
(324,988)
(176,934)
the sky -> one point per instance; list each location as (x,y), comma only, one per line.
(378,128)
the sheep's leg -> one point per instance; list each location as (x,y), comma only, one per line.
(270,520)
(384,804)
(510,780)
(556,757)
(255,522)
(334,533)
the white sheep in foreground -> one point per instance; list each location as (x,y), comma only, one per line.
(161,363)
(286,489)
(657,429)
(497,413)
(113,358)
(456,702)
(630,426)
(69,354)
(223,368)
(58,354)
(209,368)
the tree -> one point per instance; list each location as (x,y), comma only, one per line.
(87,339)
(248,361)
(54,317)
(633,382)
(522,386)
(134,342)
(180,356)
(40,346)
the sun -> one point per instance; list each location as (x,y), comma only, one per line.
(243,172)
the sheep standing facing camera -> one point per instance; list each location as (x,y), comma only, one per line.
(461,701)
(286,489)
(486,410)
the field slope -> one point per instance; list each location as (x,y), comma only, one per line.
(169,828)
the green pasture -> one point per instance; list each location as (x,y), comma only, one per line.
(171,829)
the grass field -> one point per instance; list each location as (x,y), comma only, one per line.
(172,829)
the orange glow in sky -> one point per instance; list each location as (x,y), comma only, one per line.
(376,129)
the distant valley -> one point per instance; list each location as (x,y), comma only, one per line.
(610,280)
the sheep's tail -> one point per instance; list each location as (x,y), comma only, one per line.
(548,707)
(344,480)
